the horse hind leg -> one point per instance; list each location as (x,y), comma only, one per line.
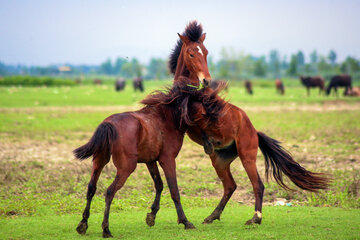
(119,181)
(155,174)
(98,164)
(222,168)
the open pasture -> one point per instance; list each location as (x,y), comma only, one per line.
(43,188)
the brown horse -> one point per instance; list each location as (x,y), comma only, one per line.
(150,135)
(120,84)
(279,86)
(248,87)
(339,81)
(232,135)
(313,82)
(138,84)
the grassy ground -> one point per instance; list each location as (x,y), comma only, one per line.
(43,187)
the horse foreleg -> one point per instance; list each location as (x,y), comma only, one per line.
(222,168)
(249,164)
(98,165)
(119,181)
(155,174)
(168,165)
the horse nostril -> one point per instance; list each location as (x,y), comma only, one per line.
(206,82)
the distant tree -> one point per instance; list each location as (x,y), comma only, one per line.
(350,65)
(106,67)
(284,65)
(332,57)
(118,64)
(313,61)
(157,69)
(274,63)
(127,70)
(136,67)
(260,67)
(292,70)
(211,66)
(323,65)
(300,61)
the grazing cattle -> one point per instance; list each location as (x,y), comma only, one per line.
(120,84)
(138,84)
(313,82)
(215,83)
(340,81)
(279,86)
(97,81)
(248,87)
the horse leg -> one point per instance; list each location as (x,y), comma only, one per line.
(308,91)
(168,165)
(222,168)
(121,176)
(155,174)
(248,159)
(208,146)
(98,164)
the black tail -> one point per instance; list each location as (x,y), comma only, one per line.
(281,161)
(100,142)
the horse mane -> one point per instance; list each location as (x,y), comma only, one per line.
(180,99)
(193,31)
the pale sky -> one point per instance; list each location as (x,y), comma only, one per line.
(88,32)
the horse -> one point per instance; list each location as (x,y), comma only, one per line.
(279,86)
(313,82)
(120,84)
(248,87)
(153,134)
(339,81)
(232,135)
(138,84)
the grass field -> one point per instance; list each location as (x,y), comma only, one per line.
(43,188)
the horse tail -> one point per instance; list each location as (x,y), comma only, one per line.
(281,161)
(100,142)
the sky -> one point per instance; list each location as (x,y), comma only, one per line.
(89,32)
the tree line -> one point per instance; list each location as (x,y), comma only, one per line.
(232,65)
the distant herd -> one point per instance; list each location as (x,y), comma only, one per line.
(309,82)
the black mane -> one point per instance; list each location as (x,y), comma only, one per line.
(193,31)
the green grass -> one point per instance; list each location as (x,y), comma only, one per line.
(278,223)
(43,188)
(105,95)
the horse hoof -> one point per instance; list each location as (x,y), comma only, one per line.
(189,226)
(82,227)
(210,219)
(107,233)
(150,219)
(254,220)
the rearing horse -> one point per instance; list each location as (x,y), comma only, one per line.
(232,135)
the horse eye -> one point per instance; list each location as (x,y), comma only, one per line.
(191,55)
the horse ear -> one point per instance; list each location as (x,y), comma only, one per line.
(184,39)
(202,38)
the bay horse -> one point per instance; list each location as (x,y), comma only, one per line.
(120,84)
(339,81)
(153,134)
(313,82)
(248,87)
(138,84)
(279,86)
(232,134)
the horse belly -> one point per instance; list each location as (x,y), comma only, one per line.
(150,144)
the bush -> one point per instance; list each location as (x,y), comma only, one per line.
(35,81)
